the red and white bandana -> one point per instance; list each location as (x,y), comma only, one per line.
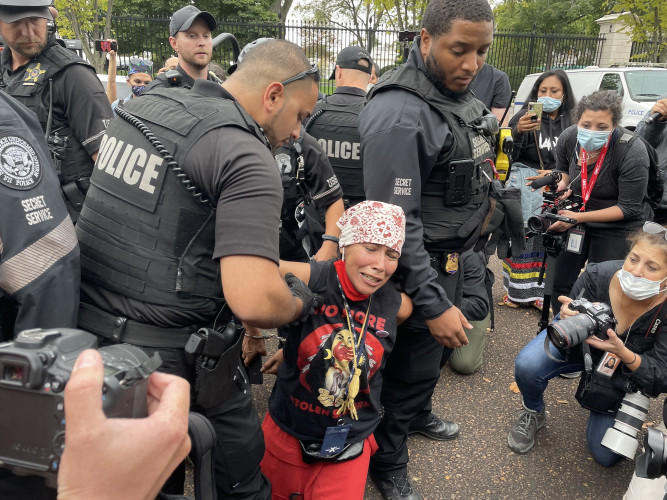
(373,222)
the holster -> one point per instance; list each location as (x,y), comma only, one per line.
(218,366)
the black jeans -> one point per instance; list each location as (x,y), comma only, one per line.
(599,245)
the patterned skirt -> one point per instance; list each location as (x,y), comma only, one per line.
(521,275)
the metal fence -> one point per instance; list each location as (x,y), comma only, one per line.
(518,54)
(647,52)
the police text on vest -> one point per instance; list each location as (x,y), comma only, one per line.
(119,159)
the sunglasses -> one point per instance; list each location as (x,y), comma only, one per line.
(654,228)
(314,70)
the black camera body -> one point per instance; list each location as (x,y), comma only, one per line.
(34,370)
(593,319)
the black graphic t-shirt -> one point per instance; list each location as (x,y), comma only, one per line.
(312,382)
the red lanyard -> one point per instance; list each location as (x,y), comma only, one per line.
(586,193)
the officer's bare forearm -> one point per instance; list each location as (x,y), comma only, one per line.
(256,292)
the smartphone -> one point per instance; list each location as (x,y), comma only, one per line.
(535,107)
(255,375)
(105,46)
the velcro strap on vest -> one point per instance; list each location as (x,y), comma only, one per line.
(119,329)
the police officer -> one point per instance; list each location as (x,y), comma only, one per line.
(164,226)
(190,37)
(39,254)
(336,118)
(310,187)
(59,87)
(424,150)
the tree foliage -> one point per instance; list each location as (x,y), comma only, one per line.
(551,16)
(647,22)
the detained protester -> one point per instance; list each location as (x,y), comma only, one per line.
(633,291)
(325,404)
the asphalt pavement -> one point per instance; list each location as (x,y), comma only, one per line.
(479,464)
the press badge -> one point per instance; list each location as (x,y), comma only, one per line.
(608,364)
(575,240)
(334,440)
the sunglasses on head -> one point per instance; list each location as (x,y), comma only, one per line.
(654,228)
(314,70)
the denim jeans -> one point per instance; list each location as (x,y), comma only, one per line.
(532,371)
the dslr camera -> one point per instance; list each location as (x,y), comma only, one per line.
(34,370)
(653,462)
(593,319)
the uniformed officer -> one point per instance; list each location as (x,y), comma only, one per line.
(190,37)
(165,225)
(60,88)
(336,118)
(39,254)
(305,172)
(424,150)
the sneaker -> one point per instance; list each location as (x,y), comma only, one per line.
(396,488)
(522,434)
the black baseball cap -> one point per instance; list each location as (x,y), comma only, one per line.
(183,18)
(349,58)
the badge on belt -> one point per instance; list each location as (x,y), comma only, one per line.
(452,263)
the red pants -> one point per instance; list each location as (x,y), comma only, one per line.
(288,473)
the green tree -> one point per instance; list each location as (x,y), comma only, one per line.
(551,16)
(647,23)
(86,20)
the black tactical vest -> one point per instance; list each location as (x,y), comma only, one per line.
(336,128)
(142,233)
(458,183)
(32,90)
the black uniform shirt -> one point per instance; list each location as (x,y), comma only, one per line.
(186,80)
(232,167)
(492,87)
(78,97)
(39,254)
(401,136)
(347,95)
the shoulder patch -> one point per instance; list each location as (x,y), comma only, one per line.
(33,73)
(284,163)
(19,164)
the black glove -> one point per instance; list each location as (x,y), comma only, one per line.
(300,290)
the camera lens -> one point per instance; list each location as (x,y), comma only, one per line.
(622,437)
(536,224)
(571,331)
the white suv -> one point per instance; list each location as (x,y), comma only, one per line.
(639,87)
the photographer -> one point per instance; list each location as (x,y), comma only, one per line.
(653,128)
(612,186)
(535,141)
(633,290)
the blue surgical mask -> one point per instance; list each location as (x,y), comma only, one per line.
(138,89)
(549,104)
(592,140)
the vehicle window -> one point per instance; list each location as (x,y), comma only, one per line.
(647,86)
(612,81)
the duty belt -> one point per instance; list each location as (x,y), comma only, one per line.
(119,329)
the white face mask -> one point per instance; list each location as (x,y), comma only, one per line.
(638,288)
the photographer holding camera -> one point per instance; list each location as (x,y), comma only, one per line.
(608,168)
(634,290)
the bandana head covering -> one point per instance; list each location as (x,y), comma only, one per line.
(138,65)
(373,222)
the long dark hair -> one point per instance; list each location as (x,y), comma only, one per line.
(569,101)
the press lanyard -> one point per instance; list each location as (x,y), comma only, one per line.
(361,339)
(585,188)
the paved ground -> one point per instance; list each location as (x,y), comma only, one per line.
(479,465)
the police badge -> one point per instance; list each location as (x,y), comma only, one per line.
(284,163)
(19,164)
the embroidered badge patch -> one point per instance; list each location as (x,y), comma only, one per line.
(33,73)
(19,164)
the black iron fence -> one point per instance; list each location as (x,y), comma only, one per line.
(648,52)
(518,54)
